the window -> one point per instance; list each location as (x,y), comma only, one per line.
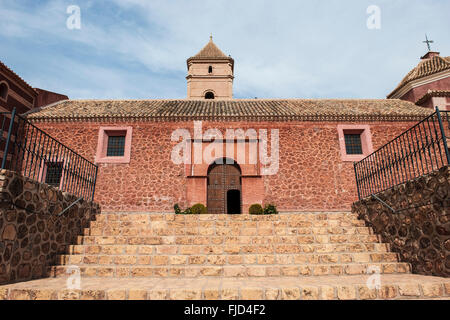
(210,69)
(114,145)
(4,88)
(53,173)
(353,144)
(209,95)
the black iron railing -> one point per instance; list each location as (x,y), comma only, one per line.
(417,151)
(36,155)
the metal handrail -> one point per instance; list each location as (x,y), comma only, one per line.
(417,151)
(32,152)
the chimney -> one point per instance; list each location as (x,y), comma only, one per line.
(430,55)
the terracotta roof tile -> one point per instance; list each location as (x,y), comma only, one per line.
(425,68)
(433,93)
(233,110)
(210,51)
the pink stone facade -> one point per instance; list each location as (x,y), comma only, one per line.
(416,93)
(312,175)
(443,103)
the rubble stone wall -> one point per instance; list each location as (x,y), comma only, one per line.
(31,231)
(419,229)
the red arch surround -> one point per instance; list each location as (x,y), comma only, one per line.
(224,160)
(252,185)
(201,170)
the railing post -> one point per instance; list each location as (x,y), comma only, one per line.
(357,183)
(444,138)
(8,139)
(95,181)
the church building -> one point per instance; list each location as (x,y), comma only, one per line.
(228,153)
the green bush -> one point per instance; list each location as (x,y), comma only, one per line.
(270,209)
(199,209)
(255,209)
(178,210)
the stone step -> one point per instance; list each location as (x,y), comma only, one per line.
(402,287)
(115,271)
(297,216)
(230,231)
(226,259)
(237,240)
(219,249)
(258,224)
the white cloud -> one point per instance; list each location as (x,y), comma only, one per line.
(138,49)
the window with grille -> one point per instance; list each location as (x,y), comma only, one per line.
(353,144)
(116,146)
(54,174)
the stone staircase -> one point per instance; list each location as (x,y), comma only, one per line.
(229,246)
(286,256)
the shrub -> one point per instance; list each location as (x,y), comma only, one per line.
(270,209)
(199,209)
(255,209)
(178,210)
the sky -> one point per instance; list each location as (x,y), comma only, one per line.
(137,49)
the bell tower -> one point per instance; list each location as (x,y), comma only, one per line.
(210,74)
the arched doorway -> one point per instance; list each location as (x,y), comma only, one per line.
(224,187)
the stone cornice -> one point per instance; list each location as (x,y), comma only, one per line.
(209,77)
(255,118)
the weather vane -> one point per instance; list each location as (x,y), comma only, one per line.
(428,42)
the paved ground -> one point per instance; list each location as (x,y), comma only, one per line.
(297,288)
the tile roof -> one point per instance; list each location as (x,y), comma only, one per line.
(433,93)
(425,68)
(232,110)
(210,51)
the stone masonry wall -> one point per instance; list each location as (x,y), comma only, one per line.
(420,234)
(312,176)
(30,239)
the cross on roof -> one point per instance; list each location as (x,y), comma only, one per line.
(428,42)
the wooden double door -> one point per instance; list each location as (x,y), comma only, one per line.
(224,189)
